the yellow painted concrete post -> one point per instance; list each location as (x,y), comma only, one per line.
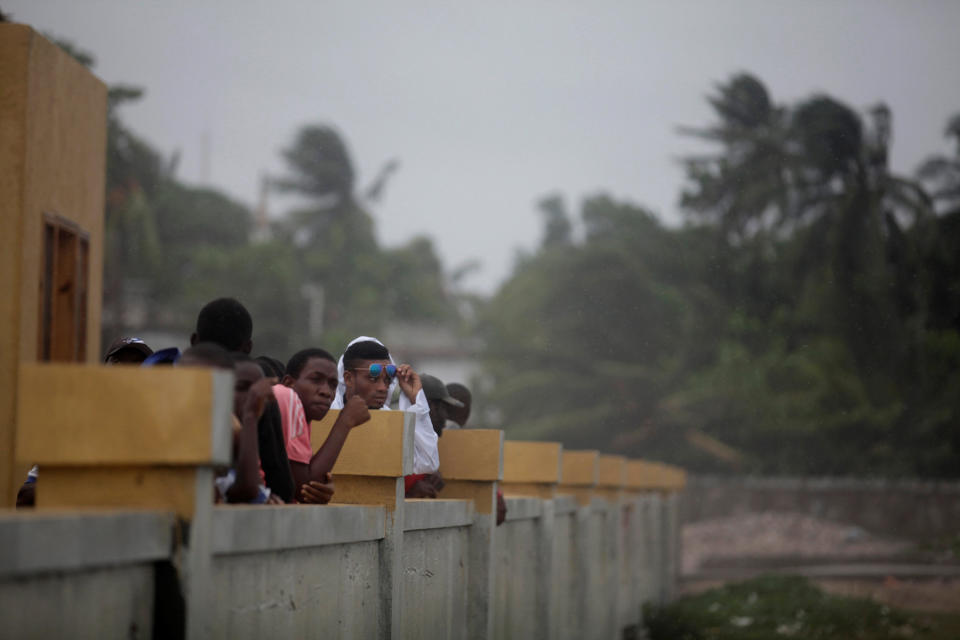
(579,475)
(471,463)
(531,469)
(611,477)
(132,437)
(124,436)
(53,118)
(374,459)
(370,470)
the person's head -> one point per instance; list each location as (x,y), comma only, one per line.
(127,351)
(225,322)
(439,399)
(271,367)
(246,371)
(312,373)
(206,354)
(460,415)
(368,372)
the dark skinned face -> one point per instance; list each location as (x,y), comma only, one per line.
(244,375)
(316,387)
(373,392)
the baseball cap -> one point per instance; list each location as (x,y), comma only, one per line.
(127,343)
(434,389)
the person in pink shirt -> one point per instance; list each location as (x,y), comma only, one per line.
(304,395)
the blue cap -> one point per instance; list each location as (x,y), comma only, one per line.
(162,356)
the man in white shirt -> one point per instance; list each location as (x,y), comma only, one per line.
(366,369)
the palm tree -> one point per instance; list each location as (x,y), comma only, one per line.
(943,172)
(744,187)
(805,190)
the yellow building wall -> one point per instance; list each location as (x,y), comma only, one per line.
(52,160)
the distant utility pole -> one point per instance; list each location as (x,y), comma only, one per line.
(261,217)
(314,294)
(205,157)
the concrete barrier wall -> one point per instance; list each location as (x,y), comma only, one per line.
(596,553)
(373,566)
(290,572)
(568,592)
(80,575)
(435,568)
(603,565)
(520,597)
(915,510)
(559,570)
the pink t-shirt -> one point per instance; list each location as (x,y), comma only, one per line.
(296,428)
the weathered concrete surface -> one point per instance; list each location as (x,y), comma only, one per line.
(670,546)
(915,510)
(115,602)
(298,571)
(246,529)
(567,589)
(554,569)
(435,568)
(80,573)
(631,562)
(311,592)
(595,552)
(436,514)
(434,583)
(654,551)
(518,608)
(480,578)
(36,542)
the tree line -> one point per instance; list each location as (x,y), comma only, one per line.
(804,319)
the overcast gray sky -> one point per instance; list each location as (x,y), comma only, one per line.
(491,105)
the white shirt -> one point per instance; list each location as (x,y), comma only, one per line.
(426,458)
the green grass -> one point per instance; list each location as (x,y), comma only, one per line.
(772,607)
(948,546)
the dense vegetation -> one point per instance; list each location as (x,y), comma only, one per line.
(804,319)
(171,247)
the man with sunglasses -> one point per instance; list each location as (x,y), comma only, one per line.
(366,369)
(304,395)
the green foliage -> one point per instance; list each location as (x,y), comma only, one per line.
(364,285)
(805,321)
(264,276)
(783,607)
(320,166)
(177,247)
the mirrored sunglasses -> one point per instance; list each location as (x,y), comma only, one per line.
(375,370)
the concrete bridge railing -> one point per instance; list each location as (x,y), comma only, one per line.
(587,539)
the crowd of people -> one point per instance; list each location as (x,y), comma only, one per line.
(274,404)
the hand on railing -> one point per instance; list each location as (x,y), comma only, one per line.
(315,492)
